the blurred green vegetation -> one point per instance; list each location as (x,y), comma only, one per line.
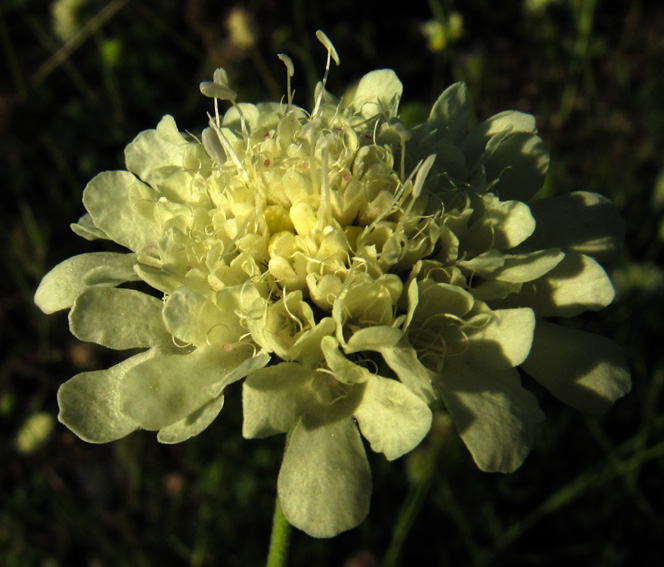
(80,78)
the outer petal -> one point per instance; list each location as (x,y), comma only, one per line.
(494,415)
(193,318)
(484,264)
(307,347)
(391,417)
(403,359)
(87,229)
(504,342)
(438,298)
(513,223)
(519,268)
(193,424)
(325,482)
(450,113)
(592,224)
(584,370)
(343,369)
(273,398)
(189,316)
(373,338)
(577,284)
(64,283)
(504,225)
(507,121)
(378,91)
(152,149)
(164,280)
(166,389)
(119,319)
(491,290)
(520,164)
(123,207)
(90,403)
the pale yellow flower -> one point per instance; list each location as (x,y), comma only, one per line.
(354,271)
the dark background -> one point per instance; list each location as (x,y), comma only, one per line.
(592,72)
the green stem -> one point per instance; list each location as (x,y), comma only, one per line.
(421,478)
(409,512)
(280,538)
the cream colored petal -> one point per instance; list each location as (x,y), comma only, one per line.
(324,484)
(402,359)
(155,148)
(90,402)
(168,388)
(119,319)
(124,208)
(391,417)
(450,113)
(582,222)
(273,398)
(503,225)
(87,229)
(343,369)
(378,93)
(494,414)
(519,163)
(195,319)
(373,338)
(193,424)
(577,284)
(506,121)
(519,268)
(63,284)
(586,371)
(503,342)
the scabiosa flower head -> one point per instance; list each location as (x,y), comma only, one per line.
(353,271)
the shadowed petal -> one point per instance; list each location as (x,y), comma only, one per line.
(584,370)
(64,283)
(325,482)
(119,319)
(494,414)
(391,417)
(193,424)
(90,403)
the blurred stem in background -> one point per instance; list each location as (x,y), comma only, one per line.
(422,470)
(581,72)
(61,55)
(442,33)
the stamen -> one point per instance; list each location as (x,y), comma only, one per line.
(331,54)
(220,76)
(293,317)
(214,147)
(218,89)
(228,148)
(290,71)
(324,206)
(243,120)
(331,51)
(421,171)
(215,90)
(232,245)
(421,175)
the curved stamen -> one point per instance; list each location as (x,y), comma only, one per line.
(331,54)
(290,71)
